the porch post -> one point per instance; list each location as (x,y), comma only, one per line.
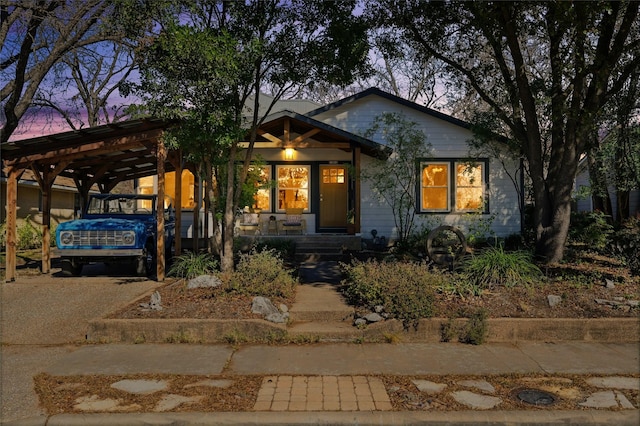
(178,207)
(356,203)
(162,157)
(12,216)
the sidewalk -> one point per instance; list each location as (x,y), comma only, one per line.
(339,384)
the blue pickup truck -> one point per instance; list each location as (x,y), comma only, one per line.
(115,228)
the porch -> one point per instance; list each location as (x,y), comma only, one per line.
(311,248)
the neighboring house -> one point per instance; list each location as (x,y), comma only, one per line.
(65,200)
(584,201)
(311,156)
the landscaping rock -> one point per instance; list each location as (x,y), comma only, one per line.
(475,400)
(605,399)
(429,387)
(615,382)
(482,385)
(277,318)
(263,306)
(373,317)
(94,403)
(154,304)
(360,321)
(609,283)
(283,308)
(141,387)
(204,281)
(553,300)
(171,401)
(212,383)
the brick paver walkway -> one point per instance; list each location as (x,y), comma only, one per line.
(322,393)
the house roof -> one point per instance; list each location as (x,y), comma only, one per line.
(324,133)
(374,91)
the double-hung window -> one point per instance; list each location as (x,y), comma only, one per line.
(453,186)
(293,186)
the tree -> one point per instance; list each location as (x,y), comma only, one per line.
(81,87)
(395,179)
(545,69)
(37,34)
(210,69)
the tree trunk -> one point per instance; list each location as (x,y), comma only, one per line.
(623,210)
(599,185)
(228,222)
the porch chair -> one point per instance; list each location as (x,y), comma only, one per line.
(249,224)
(293,222)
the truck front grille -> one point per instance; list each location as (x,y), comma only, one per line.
(100,238)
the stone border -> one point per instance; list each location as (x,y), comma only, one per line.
(500,330)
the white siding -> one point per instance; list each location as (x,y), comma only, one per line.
(447,140)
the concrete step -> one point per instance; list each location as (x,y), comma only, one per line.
(319,303)
(332,331)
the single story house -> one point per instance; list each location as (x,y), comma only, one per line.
(313,157)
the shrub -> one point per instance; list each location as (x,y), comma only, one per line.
(591,228)
(262,273)
(474,331)
(626,243)
(190,265)
(405,290)
(29,236)
(495,266)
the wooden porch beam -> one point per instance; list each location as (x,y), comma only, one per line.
(270,137)
(305,136)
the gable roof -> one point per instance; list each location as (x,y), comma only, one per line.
(302,124)
(374,91)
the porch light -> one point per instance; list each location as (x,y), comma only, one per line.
(289,154)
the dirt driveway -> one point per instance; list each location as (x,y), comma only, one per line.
(53,310)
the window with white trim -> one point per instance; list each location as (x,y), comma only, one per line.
(453,186)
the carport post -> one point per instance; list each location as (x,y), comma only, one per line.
(12,222)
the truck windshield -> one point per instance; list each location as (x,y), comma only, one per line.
(120,205)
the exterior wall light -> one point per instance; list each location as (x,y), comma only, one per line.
(289,154)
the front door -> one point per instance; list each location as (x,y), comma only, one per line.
(334,184)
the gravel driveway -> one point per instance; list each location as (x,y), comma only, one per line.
(44,317)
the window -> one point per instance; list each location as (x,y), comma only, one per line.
(469,187)
(263,196)
(435,187)
(293,187)
(460,191)
(333,175)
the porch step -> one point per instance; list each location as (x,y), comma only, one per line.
(324,247)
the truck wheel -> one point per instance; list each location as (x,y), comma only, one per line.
(146,264)
(70,268)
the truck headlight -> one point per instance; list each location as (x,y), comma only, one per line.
(128,237)
(66,237)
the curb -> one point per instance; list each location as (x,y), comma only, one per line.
(460,418)
(500,330)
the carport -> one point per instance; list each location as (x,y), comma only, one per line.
(99,157)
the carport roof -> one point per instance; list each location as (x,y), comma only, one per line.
(105,154)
